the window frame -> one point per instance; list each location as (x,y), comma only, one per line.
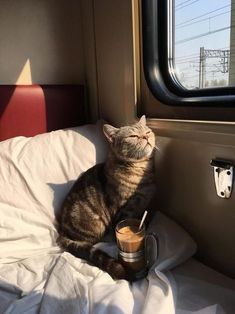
(156,15)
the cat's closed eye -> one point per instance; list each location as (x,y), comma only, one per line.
(134,135)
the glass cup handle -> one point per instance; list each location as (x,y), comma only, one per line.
(151,249)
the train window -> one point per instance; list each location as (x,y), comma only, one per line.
(189,55)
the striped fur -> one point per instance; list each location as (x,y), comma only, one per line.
(106,193)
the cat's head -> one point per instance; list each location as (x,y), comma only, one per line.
(133,142)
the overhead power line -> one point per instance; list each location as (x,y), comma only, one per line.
(182,3)
(186,5)
(205,19)
(202,15)
(203,34)
(195,54)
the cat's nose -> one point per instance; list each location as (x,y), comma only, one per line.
(145,137)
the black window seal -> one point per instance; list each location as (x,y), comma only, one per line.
(155,36)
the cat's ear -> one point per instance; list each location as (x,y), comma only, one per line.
(109,132)
(143,120)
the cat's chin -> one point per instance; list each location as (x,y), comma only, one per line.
(146,154)
(148,150)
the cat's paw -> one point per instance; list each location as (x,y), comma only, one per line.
(118,271)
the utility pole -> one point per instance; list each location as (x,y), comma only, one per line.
(223,66)
(222,54)
(202,68)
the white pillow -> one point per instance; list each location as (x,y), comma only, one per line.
(170,245)
(35,176)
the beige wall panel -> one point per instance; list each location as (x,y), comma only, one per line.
(186,189)
(115,68)
(43,38)
(90,66)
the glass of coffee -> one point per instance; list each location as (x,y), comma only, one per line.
(130,241)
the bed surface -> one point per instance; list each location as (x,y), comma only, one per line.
(37,277)
(200,289)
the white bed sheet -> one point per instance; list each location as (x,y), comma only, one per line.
(60,283)
(63,284)
(201,290)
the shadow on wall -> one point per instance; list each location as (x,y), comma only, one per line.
(44,39)
(186,193)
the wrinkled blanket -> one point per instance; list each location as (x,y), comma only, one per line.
(60,283)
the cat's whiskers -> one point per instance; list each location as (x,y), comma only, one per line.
(157,148)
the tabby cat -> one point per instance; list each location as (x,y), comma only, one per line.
(108,192)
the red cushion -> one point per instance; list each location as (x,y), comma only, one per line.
(32,109)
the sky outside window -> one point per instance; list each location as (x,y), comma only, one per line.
(202,50)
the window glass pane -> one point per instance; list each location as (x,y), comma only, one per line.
(204,43)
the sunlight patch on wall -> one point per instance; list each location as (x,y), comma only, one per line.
(25,77)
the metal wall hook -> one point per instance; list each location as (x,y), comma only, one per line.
(223,175)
